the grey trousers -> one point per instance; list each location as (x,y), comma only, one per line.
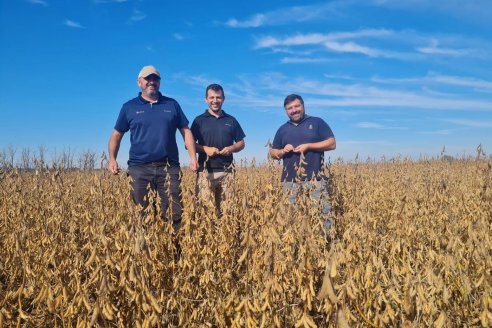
(153,176)
(318,190)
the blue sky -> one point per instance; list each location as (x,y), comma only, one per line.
(404,77)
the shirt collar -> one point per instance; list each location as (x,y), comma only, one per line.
(222,113)
(297,123)
(145,101)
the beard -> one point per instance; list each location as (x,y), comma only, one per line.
(153,93)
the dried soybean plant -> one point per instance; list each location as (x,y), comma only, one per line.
(411,247)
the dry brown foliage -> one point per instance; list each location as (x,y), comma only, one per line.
(411,248)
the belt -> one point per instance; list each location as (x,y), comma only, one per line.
(158,163)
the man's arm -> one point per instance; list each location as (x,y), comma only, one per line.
(210,151)
(113,147)
(279,153)
(234,148)
(190,147)
(325,145)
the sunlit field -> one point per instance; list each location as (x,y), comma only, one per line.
(411,247)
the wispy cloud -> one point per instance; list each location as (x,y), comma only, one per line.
(195,80)
(288,15)
(320,39)
(477,10)
(254,21)
(436,132)
(340,42)
(39,2)
(109,1)
(435,49)
(137,15)
(303,60)
(475,83)
(377,126)
(73,24)
(178,36)
(470,123)
(435,78)
(357,95)
(365,142)
(351,47)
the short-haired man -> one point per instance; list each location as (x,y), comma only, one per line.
(308,136)
(153,120)
(218,136)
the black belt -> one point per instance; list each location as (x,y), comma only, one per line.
(165,163)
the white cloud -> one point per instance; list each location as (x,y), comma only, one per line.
(195,80)
(73,24)
(267,91)
(338,76)
(435,49)
(289,15)
(303,60)
(178,36)
(138,16)
(109,1)
(365,142)
(381,43)
(476,10)
(471,123)
(435,78)
(377,126)
(477,84)
(320,39)
(255,21)
(367,95)
(351,47)
(39,2)
(436,132)
(340,42)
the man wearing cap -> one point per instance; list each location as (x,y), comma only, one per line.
(152,120)
(304,137)
(218,136)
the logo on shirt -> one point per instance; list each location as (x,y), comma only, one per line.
(310,127)
(140,112)
(228,124)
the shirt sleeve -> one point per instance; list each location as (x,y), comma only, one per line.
(181,120)
(277,141)
(122,124)
(238,132)
(324,130)
(195,130)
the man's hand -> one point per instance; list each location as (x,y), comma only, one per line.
(226,150)
(287,149)
(113,167)
(194,164)
(211,151)
(301,148)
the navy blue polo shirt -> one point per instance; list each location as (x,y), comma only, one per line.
(310,129)
(218,132)
(152,129)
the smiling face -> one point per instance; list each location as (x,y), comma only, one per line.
(295,110)
(214,100)
(150,86)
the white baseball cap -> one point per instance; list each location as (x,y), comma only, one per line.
(148,70)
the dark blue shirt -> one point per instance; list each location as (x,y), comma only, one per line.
(152,129)
(310,129)
(220,132)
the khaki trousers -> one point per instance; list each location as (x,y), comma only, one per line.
(213,186)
